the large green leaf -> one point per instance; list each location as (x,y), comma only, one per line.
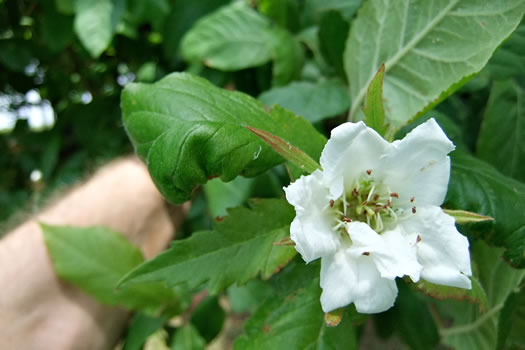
(501,137)
(95,258)
(96,22)
(429,48)
(509,60)
(511,321)
(237,37)
(472,328)
(315,101)
(478,187)
(188,130)
(315,9)
(239,248)
(294,320)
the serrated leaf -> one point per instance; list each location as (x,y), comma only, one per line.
(471,328)
(237,37)
(501,137)
(96,22)
(188,130)
(478,187)
(95,258)
(429,48)
(289,152)
(295,320)
(373,108)
(314,101)
(475,295)
(238,249)
(466,217)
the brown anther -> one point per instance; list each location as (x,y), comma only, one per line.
(394,194)
(364,203)
(355,192)
(366,253)
(376,197)
(345,219)
(418,239)
(369,171)
(414,209)
(331,203)
(412,199)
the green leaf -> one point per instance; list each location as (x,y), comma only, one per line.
(152,11)
(478,187)
(66,7)
(501,137)
(56,29)
(96,22)
(373,108)
(236,37)
(188,338)
(208,318)
(466,217)
(248,297)
(294,320)
(471,328)
(314,101)
(429,49)
(509,60)
(333,31)
(475,295)
(512,321)
(95,258)
(315,9)
(238,249)
(289,152)
(142,326)
(188,130)
(224,195)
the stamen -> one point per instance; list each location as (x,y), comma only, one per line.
(394,194)
(379,223)
(366,253)
(369,171)
(418,239)
(376,197)
(413,209)
(344,203)
(345,219)
(412,199)
(370,193)
(331,203)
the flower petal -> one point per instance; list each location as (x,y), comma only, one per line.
(311,230)
(390,251)
(352,149)
(418,166)
(347,279)
(442,250)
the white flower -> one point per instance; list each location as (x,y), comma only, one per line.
(373,214)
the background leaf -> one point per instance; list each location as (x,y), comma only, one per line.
(237,250)
(189,130)
(95,258)
(509,59)
(501,136)
(472,329)
(96,22)
(428,48)
(476,186)
(188,338)
(314,101)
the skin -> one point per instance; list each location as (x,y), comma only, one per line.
(39,311)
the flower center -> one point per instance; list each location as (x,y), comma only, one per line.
(367,201)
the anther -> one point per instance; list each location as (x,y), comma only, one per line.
(394,194)
(369,171)
(345,219)
(366,253)
(365,202)
(412,199)
(418,239)
(414,209)
(331,203)
(376,197)
(355,192)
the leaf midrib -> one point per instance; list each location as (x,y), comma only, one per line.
(400,54)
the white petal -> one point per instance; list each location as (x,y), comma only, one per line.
(442,251)
(346,279)
(418,166)
(311,230)
(393,255)
(352,149)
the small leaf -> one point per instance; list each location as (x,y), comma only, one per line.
(314,101)
(95,258)
(188,338)
(96,21)
(467,217)
(238,249)
(373,108)
(475,295)
(142,326)
(289,152)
